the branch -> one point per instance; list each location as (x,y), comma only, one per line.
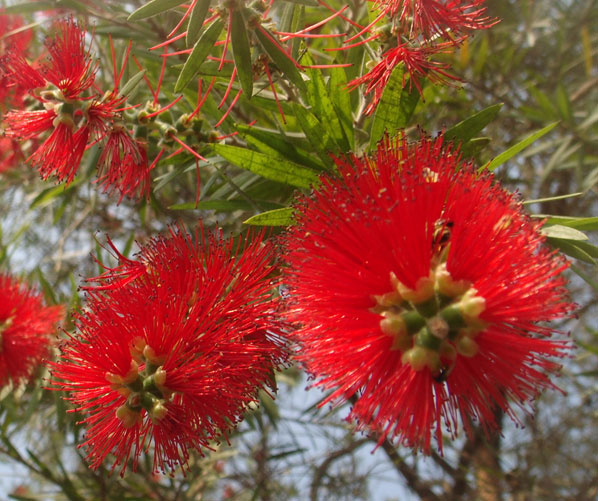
(422,489)
(323,468)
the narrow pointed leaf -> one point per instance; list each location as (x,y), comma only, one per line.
(280,58)
(520,146)
(337,90)
(468,128)
(565,232)
(579,223)
(279,170)
(395,108)
(128,88)
(241,51)
(551,199)
(198,55)
(196,19)
(276,217)
(277,145)
(318,135)
(152,8)
(583,251)
(321,103)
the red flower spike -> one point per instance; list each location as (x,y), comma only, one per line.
(123,165)
(26,325)
(70,67)
(61,153)
(433,17)
(19,73)
(28,124)
(410,297)
(172,348)
(417,64)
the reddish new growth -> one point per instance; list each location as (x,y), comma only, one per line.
(26,326)
(172,348)
(420,288)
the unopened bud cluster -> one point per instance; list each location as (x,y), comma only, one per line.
(434,322)
(143,386)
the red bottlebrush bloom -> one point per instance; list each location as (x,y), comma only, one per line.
(28,124)
(172,348)
(18,41)
(421,289)
(70,67)
(432,17)
(26,325)
(417,64)
(61,153)
(123,165)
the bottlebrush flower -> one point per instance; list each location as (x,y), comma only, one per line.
(417,63)
(172,348)
(420,288)
(26,325)
(436,17)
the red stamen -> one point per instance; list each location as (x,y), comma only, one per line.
(185,16)
(145,78)
(169,41)
(165,107)
(188,148)
(161,77)
(278,105)
(229,108)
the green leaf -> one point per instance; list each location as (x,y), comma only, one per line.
(279,170)
(468,128)
(49,194)
(564,232)
(46,287)
(317,134)
(200,51)
(132,84)
(550,199)
(152,8)
(274,143)
(276,217)
(583,251)
(520,146)
(223,205)
(579,223)
(395,108)
(322,107)
(241,51)
(196,19)
(26,7)
(339,94)
(280,58)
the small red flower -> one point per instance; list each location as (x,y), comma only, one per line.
(26,325)
(123,165)
(417,64)
(433,17)
(172,348)
(419,287)
(70,67)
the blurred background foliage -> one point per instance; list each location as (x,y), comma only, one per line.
(537,67)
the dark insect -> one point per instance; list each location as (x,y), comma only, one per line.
(442,375)
(442,234)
